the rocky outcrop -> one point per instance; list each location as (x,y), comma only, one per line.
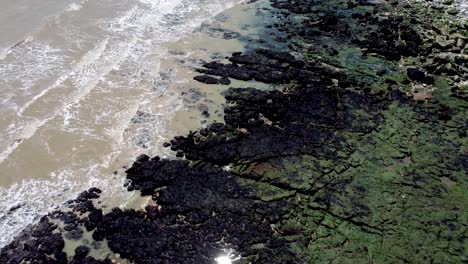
(45,241)
(338,165)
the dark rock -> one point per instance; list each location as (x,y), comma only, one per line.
(209,210)
(95,216)
(74,234)
(52,243)
(70,227)
(206,79)
(415,74)
(224,81)
(81,252)
(143,158)
(43,228)
(309,164)
(84,207)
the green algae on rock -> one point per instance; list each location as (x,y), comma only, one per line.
(361,157)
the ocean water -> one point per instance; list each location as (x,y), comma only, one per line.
(83,92)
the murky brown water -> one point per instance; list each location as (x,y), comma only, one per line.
(88,86)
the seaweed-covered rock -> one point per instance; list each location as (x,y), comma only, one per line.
(330,168)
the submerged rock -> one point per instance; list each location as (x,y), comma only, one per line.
(81,252)
(325,169)
(211,80)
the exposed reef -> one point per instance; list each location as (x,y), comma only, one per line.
(359,156)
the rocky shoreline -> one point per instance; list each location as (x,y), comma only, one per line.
(360,157)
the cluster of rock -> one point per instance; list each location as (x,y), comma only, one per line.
(45,241)
(330,168)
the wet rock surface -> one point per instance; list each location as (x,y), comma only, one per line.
(354,159)
(203,211)
(45,242)
(354,167)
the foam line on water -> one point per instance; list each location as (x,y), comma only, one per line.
(22,203)
(136,19)
(32,126)
(85,75)
(25,202)
(85,61)
(3,53)
(88,58)
(32,62)
(46,17)
(6,51)
(130,41)
(75,6)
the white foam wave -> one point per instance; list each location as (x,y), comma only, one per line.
(134,23)
(83,76)
(22,72)
(126,57)
(74,7)
(85,61)
(24,202)
(3,53)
